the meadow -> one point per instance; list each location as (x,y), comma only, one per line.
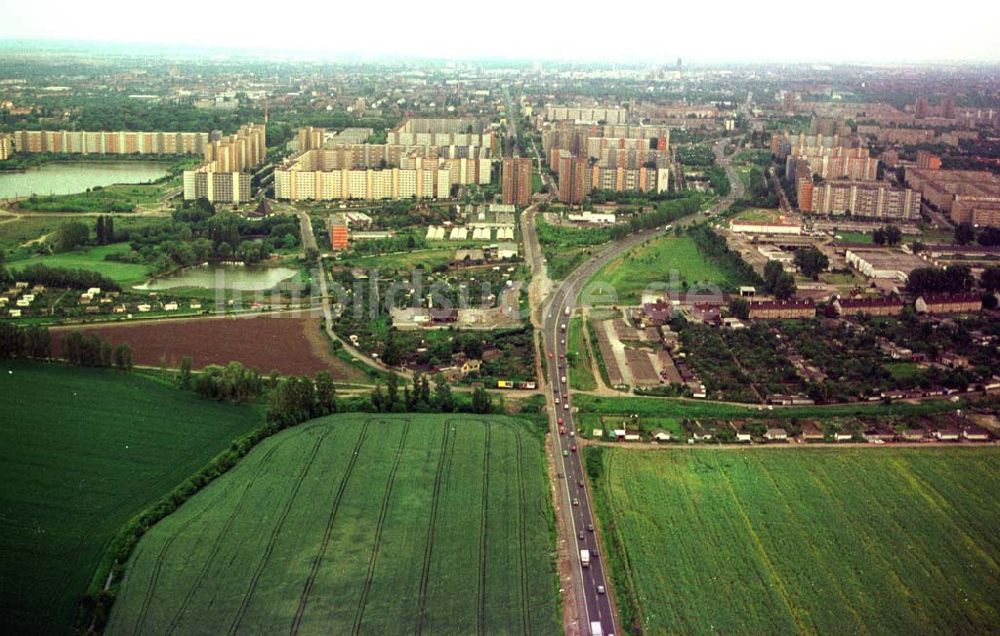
(653,262)
(81,452)
(581,375)
(821,541)
(358,524)
(92,259)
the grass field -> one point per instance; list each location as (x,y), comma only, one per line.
(427,258)
(15,231)
(893,541)
(358,523)
(81,452)
(92,259)
(581,375)
(652,263)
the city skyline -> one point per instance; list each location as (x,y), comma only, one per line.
(729,34)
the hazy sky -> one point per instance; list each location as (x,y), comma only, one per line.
(658,30)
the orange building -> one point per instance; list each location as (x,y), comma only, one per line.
(516,181)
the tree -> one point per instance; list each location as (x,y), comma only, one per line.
(392,393)
(811,261)
(878,236)
(123,359)
(990,278)
(99,231)
(739,307)
(377,398)
(784,287)
(893,235)
(185,372)
(481,401)
(964,233)
(989,236)
(442,394)
(326,393)
(71,235)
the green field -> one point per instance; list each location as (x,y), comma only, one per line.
(581,375)
(14,230)
(652,263)
(888,541)
(81,452)
(378,524)
(427,258)
(91,259)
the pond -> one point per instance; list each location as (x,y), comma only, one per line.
(72,177)
(231,277)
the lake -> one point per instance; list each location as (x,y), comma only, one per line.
(223,277)
(71,177)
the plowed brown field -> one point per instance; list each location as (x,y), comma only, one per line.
(291,345)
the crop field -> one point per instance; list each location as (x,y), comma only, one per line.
(358,524)
(81,452)
(803,541)
(652,263)
(93,260)
(290,345)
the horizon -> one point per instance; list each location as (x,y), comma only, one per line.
(650,34)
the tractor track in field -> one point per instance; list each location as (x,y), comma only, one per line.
(523,537)
(373,559)
(157,568)
(217,545)
(245,604)
(317,562)
(429,546)
(483,537)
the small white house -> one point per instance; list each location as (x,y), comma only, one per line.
(170,307)
(15,313)
(661,435)
(743,437)
(776,434)
(195,305)
(143,308)
(94,291)
(632,437)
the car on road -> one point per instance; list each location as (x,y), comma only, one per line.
(580,483)
(565,453)
(572,433)
(560,421)
(576,502)
(565,405)
(590,527)
(562,341)
(550,354)
(600,589)
(579,536)
(562,431)
(557,399)
(573,448)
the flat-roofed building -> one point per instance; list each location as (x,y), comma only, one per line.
(516,181)
(883,263)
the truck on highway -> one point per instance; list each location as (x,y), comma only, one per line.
(596,629)
(585,558)
(562,327)
(566,311)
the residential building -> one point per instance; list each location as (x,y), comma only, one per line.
(110,143)
(928,161)
(339,232)
(949,304)
(782,309)
(225,175)
(867,199)
(971,196)
(574,178)
(6,146)
(892,306)
(516,181)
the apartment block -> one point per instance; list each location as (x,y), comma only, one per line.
(6,146)
(868,199)
(109,143)
(516,181)
(595,114)
(928,161)
(574,178)
(225,175)
(967,195)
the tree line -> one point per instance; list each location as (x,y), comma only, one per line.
(666,212)
(421,399)
(35,342)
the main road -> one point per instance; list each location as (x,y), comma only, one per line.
(590,584)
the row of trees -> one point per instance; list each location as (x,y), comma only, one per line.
(666,212)
(931,280)
(93,351)
(297,399)
(231,383)
(887,235)
(421,399)
(63,277)
(33,341)
(966,233)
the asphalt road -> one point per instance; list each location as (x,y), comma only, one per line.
(593,604)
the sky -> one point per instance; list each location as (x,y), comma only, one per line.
(638,31)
